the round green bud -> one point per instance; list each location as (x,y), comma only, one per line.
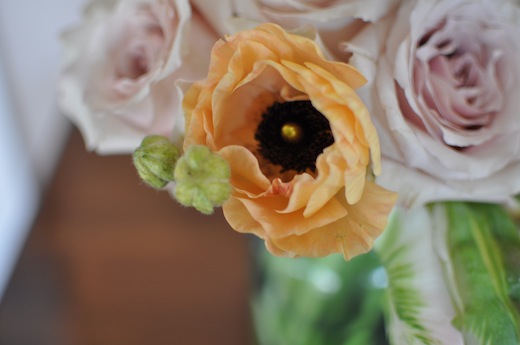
(155,160)
(202,179)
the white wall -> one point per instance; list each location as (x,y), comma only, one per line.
(32,131)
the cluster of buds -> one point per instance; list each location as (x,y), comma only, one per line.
(199,177)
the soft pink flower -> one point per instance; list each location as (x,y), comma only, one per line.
(445,86)
(335,20)
(121,65)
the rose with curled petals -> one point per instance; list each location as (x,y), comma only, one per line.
(445,84)
(121,65)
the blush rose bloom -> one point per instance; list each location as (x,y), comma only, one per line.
(120,67)
(333,210)
(445,86)
(334,20)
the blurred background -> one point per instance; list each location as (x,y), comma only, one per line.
(88,255)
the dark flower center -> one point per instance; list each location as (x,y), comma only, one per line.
(292,135)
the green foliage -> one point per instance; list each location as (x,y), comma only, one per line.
(484,249)
(325,301)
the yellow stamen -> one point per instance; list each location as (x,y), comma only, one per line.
(292,132)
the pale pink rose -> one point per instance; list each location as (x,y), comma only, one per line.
(121,66)
(445,94)
(335,20)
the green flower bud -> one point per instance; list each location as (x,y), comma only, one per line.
(202,179)
(155,160)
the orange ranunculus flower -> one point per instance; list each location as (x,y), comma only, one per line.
(298,140)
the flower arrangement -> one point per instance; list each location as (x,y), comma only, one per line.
(384,131)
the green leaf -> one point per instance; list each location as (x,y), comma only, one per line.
(419,307)
(480,246)
(507,236)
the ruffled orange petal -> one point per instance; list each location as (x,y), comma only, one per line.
(302,187)
(351,235)
(331,167)
(374,207)
(365,130)
(189,103)
(240,219)
(302,50)
(355,154)
(277,224)
(246,176)
(238,113)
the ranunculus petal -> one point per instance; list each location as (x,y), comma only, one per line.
(240,219)
(279,224)
(351,235)
(331,167)
(246,175)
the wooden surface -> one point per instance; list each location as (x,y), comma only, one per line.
(110,261)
